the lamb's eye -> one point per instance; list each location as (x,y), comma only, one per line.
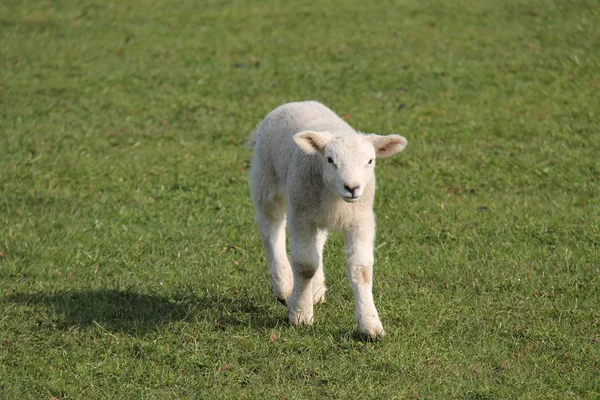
(330,160)
(370,161)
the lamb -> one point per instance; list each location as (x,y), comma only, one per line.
(311,159)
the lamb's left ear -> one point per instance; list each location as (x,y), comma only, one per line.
(312,142)
(386,146)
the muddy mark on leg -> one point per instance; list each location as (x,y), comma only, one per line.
(364,274)
(307,273)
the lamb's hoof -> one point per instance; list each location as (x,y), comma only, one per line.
(282,296)
(301,318)
(282,301)
(372,332)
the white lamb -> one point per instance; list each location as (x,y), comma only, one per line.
(305,154)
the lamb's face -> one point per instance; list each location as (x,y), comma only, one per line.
(349,160)
(348,166)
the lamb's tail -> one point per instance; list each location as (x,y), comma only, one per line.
(252,141)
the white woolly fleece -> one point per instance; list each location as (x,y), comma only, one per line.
(305,154)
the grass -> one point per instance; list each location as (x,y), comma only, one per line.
(130,265)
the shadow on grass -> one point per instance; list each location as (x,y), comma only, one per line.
(136,313)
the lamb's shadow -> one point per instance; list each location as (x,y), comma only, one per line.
(136,313)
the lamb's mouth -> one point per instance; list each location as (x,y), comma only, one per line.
(350,199)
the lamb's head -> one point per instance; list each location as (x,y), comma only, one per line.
(349,160)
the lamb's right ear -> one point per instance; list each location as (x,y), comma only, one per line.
(312,142)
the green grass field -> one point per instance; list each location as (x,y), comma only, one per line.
(130,264)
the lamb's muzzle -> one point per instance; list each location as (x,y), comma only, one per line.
(354,194)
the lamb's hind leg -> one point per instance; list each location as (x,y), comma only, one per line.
(318,281)
(271,223)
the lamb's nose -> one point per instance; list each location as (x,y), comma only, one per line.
(351,189)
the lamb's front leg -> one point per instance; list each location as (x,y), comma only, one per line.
(306,259)
(359,252)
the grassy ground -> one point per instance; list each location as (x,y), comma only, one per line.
(130,266)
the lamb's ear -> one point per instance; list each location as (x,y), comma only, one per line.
(386,146)
(312,142)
